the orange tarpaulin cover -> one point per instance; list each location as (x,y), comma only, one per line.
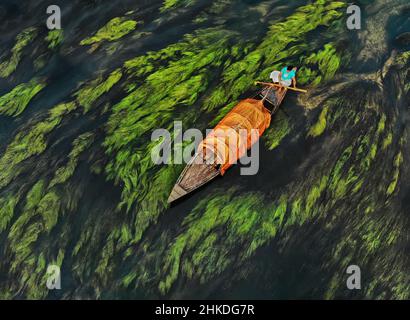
(230,139)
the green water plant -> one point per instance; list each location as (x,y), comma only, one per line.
(325,62)
(115,29)
(80,144)
(28,144)
(23,39)
(16,101)
(55,38)
(171,4)
(278,130)
(7,207)
(320,126)
(397,164)
(91,91)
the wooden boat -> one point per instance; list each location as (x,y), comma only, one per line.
(200,170)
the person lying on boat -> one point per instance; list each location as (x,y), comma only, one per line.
(286,77)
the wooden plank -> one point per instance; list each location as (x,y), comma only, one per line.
(280,86)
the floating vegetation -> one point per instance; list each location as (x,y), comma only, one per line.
(16,101)
(397,163)
(40,215)
(22,40)
(278,130)
(7,206)
(28,144)
(80,144)
(320,126)
(198,253)
(89,93)
(115,29)
(328,62)
(55,38)
(170,4)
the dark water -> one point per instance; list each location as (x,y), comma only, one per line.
(306,259)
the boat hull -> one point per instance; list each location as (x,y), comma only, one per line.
(198,173)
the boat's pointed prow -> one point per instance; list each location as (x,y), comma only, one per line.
(176,193)
(196,174)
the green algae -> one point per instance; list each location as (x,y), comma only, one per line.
(55,38)
(16,101)
(22,40)
(90,92)
(375,237)
(327,62)
(17,232)
(155,201)
(80,144)
(387,141)
(367,240)
(365,237)
(7,207)
(26,145)
(346,178)
(397,164)
(215,99)
(278,130)
(320,126)
(171,4)
(244,221)
(142,66)
(48,208)
(382,124)
(313,196)
(39,216)
(239,216)
(115,29)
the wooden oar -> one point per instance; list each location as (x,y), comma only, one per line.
(280,86)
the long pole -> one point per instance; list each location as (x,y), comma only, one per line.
(280,86)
